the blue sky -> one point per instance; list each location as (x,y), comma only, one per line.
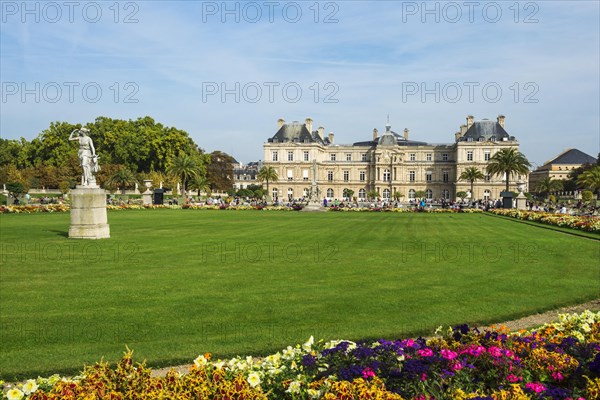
(346,64)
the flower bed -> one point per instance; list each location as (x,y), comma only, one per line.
(556,361)
(31,209)
(589,224)
(407,210)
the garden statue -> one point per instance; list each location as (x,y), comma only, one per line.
(87,156)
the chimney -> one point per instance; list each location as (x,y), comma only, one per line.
(501,120)
(280,123)
(375,134)
(463,129)
(469,121)
(405,133)
(321,132)
(457,135)
(330,137)
(308,123)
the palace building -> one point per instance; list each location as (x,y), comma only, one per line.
(390,163)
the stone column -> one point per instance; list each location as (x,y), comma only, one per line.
(88,213)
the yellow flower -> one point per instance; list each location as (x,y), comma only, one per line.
(254,379)
(14,394)
(30,387)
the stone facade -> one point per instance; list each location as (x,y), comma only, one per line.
(560,166)
(386,163)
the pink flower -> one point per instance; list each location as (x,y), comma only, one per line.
(448,354)
(513,378)
(410,343)
(536,387)
(456,366)
(558,376)
(425,352)
(476,351)
(368,373)
(424,377)
(495,351)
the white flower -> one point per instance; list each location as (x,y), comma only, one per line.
(254,379)
(30,387)
(586,328)
(294,387)
(200,361)
(219,365)
(289,353)
(14,394)
(314,394)
(308,345)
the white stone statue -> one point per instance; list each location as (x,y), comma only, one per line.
(87,156)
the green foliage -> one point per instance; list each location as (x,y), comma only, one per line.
(267,174)
(587,196)
(552,198)
(348,193)
(420,193)
(219,171)
(398,195)
(372,195)
(508,161)
(15,188)
(471,174)
(186,168)
(548,185)
(462,195)
(591,179)
(122,178)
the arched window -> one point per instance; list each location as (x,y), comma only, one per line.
(386,193)
(330,193)
(362,194)
(412,194)
(445,194)
(429,194)
(290,193)
(386,175)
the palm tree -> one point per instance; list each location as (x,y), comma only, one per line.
(471,174)
(508,161)
(591,179)
(200,183)
(548,185)
(185,168)
(122,178)
(267,174)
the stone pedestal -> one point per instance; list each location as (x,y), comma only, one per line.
(88,213)
(521,202)
(313,206)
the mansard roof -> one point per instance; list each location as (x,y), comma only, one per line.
(572,156)
(485,130)
(297,132)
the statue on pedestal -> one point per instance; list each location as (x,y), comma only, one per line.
(88,158)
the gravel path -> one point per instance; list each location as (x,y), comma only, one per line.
(531,321)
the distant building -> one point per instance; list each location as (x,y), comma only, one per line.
(386,164)
(246,175)
(560,166)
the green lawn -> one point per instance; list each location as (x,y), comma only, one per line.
(172,284)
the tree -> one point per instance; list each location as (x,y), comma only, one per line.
(462,195)
(200,183)
(471,174)
(398,195)
(220,171)
(267,174)
(548,185)
(420,194)
(16,189)
(348,193)
(508,161)
(591,179)
(185,167)
(122,178)
(587,196)
(373,194)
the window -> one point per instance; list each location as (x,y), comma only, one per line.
(290,193)
(330,192)
(362,175)
(470,139)
(386,193)
(446,175)
(275,156)
(412,194)
(486,155)
(290,156)
(412,156)
(346,176)
(362,194)
(305,155)
(348,156)
(290,174)
(486,194)
(305,174)
(363,156)
(445,194)
(469,155)
(493,138)
(428,156)
(332,156)
(411,176)
(305,192)
(488,177)
(386,175)
(445,157)
(428,176)
(330,176)
(429,194)
(274,192)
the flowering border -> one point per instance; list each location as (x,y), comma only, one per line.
(560,360)
(588,224)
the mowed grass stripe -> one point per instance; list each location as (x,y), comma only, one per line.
(172,284)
